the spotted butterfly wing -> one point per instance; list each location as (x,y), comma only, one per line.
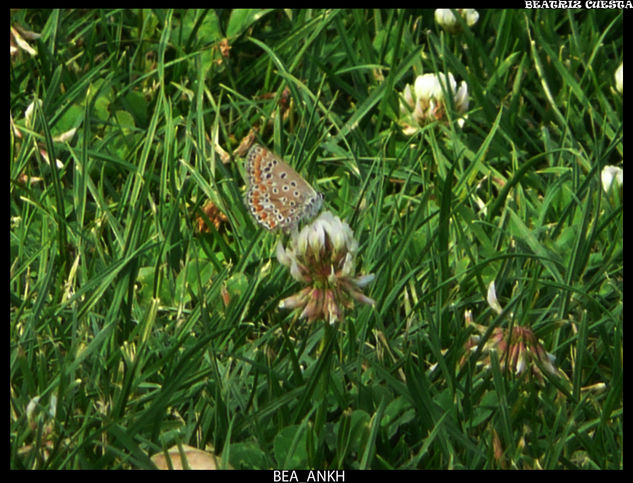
(277,196)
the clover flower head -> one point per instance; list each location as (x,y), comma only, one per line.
(323,257)
(518,348)
(619,81)
(611,175)
(447,20)
(426,102)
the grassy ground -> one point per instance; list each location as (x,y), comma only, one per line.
(132,330)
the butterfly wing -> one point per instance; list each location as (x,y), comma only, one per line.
(277,196)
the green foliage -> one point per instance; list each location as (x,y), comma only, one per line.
(132,332)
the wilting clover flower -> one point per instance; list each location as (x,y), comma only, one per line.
(425,103)
(518,348)
(323,257)
(215,216)
(447,20)
(18,41)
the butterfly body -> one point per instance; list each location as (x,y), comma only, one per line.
(277,196)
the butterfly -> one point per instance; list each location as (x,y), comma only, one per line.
(277,196)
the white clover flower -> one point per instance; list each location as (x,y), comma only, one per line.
(618,78)
(426,102)
(323,256)
(609,175)
(447,20)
